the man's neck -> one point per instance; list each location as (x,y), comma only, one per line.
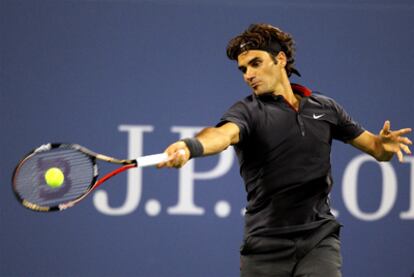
(284,89)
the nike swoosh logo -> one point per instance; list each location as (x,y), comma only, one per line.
(318,116)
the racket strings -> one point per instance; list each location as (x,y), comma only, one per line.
(78,171)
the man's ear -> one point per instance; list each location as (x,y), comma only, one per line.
(281,58)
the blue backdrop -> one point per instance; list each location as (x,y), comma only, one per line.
(128,77)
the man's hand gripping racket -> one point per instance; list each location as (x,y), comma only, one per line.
(56,176)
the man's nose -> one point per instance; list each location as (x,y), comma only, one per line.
(249,75)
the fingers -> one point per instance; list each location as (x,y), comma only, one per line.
(400,156)
(386,128)
(405,148)
(177,159)
(396,135)
(401,132)
(178,155)
(403,145)
(405,140)
(395,141)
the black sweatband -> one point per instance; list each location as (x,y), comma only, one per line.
(195,147)
(273,47)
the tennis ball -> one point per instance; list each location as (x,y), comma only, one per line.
(54,177)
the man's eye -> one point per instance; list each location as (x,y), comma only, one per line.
(256,64)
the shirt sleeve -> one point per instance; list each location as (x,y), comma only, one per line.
(346,128)
(238,114)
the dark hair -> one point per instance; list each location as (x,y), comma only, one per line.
(267,38)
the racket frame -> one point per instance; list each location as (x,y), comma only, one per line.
(126,164)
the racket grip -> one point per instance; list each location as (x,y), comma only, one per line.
(151,160)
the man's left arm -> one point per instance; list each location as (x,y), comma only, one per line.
(384,145)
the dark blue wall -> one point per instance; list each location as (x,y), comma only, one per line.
(91,71)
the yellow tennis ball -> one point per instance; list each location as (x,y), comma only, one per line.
(54,177)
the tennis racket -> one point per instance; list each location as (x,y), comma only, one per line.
(56,176)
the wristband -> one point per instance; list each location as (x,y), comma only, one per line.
(195,147)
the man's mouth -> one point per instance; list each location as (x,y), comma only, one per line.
(254,85)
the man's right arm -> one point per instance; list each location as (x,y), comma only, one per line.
(213,139)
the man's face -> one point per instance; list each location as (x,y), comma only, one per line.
(260,71)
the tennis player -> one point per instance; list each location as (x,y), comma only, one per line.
(282,135)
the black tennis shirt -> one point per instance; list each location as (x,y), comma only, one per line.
(284,158)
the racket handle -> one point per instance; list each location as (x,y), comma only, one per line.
(151,160)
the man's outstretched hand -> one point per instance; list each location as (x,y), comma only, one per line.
(394,141)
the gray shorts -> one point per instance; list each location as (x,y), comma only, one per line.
(295,256)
